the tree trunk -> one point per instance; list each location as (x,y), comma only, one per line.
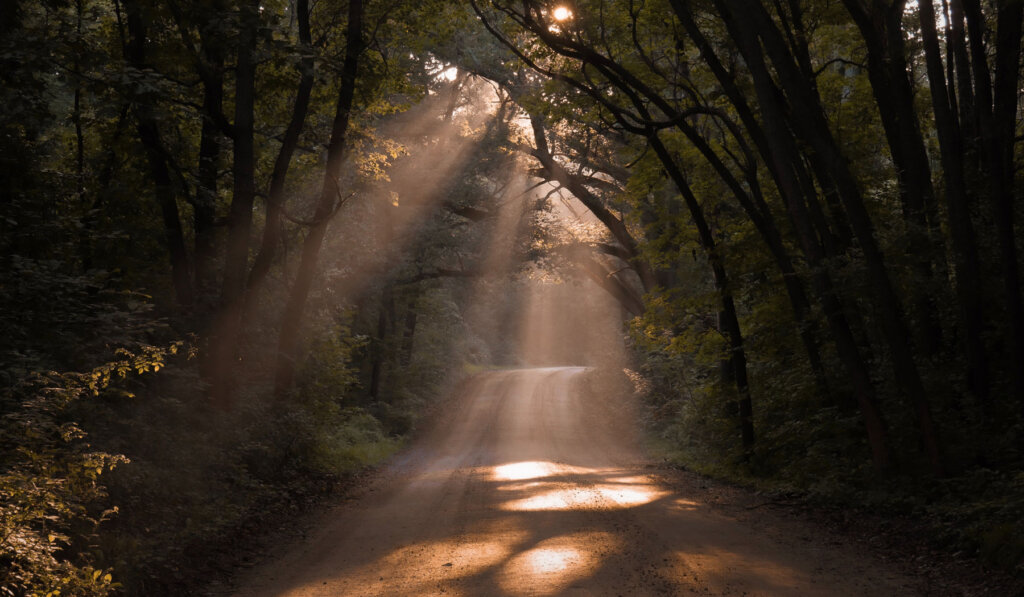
(384,317)
(149,135)
(76,119)
(1001,143)
(273,228)
(772,236)
(409,333)
(968,276)
(229,327)
(760,215)
(205,210)
(291,322)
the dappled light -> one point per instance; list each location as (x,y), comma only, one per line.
(547,560)
(553,565)
(558,487)
(596,497)
(523,470)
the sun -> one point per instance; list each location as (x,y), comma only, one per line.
(562,14)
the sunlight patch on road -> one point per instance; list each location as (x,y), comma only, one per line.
(537,469)
(524,486)
(553,565)
(553,486)
(518,471)
(631,480)
(627,497)
(546,561)
(563,496)
(560,499)
(684,505)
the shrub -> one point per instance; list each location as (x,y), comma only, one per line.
(50,495)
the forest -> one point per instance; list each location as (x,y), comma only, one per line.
(248,246)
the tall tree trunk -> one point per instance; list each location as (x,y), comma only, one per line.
(84,241)
(959,60)
(149,136)
(273,228)
(228,329)
(1001,143)
(209,65)
(409,333)
(760,215)
(205,209)
(76,119)
(968,276)
(291,322)
(385,315)
(771,235)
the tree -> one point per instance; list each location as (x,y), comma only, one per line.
(330,198)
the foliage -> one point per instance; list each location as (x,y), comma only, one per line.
(342,437)
(72,325)
(52,500)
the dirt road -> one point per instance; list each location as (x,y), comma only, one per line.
(530,486)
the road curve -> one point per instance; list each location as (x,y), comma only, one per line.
(530,485)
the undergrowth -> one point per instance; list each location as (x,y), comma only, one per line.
(121,483)
(816,457)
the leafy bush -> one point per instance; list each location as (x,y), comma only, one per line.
(340,436)
(50,495)
(353,440)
